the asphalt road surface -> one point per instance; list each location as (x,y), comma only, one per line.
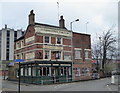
(92,85)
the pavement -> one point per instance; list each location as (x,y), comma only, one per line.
(91,85)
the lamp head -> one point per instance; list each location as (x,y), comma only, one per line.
(77,20)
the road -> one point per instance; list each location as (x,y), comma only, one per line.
(92,85)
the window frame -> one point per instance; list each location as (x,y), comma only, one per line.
(76,56)
(48,39)
(57,40)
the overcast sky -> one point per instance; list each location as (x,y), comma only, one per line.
(100,14)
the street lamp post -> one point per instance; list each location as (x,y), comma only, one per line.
(100,53)
(72,42)
(73,22)
(86,26)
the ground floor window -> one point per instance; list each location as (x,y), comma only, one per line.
(77,71)
(21,71)
(87,70)
(45,71)
(65,71)
(34,71)
(83,71)
(26,71)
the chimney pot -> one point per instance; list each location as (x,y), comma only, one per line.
(31,17)
(62,22)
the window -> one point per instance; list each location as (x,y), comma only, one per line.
(44,71)
(7,54)
(67,56)
(77,71)
(34,71)
(46,54)
(58,55)
(77,54)
(15,35)
(26,71)
(22,56)
(69,70)
(17,73)
(17,45)
(21,72)
(58,40)
(39,70)
(29,71)
(83,71)
(62,71)
(65,71)
(22,43)
(46,39)
(87,71)
(8,33)
(48,74)
(86,54)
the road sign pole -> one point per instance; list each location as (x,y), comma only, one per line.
(19,79)
(19,72)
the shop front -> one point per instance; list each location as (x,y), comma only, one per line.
(45,72)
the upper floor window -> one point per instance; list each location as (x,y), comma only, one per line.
(86,54)
(22,43)
(17,45)
(46,54)
(67,56)
(58,40)
(47,39)
(77,54)
(58,55)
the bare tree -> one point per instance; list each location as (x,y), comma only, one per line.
(104,48)
(107,44)
(96,53)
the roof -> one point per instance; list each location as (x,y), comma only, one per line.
(22,37)
(81,33)
(39,24)
(49,25)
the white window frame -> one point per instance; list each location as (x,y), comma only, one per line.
(49,55)
(60,55)
(86,54)
(80,57)
(77,71)
(22,43)
(21,71)
(57,39)
(29,71)
(49,39)
(18,45)
(61,40)
(70,57)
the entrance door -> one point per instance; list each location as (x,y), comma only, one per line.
(56,74)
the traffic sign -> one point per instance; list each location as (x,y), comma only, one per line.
(19,60)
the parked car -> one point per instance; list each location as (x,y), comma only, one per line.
(95,76)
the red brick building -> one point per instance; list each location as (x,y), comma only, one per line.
(50,54)
(81,56)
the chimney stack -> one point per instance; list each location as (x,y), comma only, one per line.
(5,26)
(31,18)
(62,22)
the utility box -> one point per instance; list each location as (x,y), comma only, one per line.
(115,78)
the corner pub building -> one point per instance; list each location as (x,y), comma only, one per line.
(47,51)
